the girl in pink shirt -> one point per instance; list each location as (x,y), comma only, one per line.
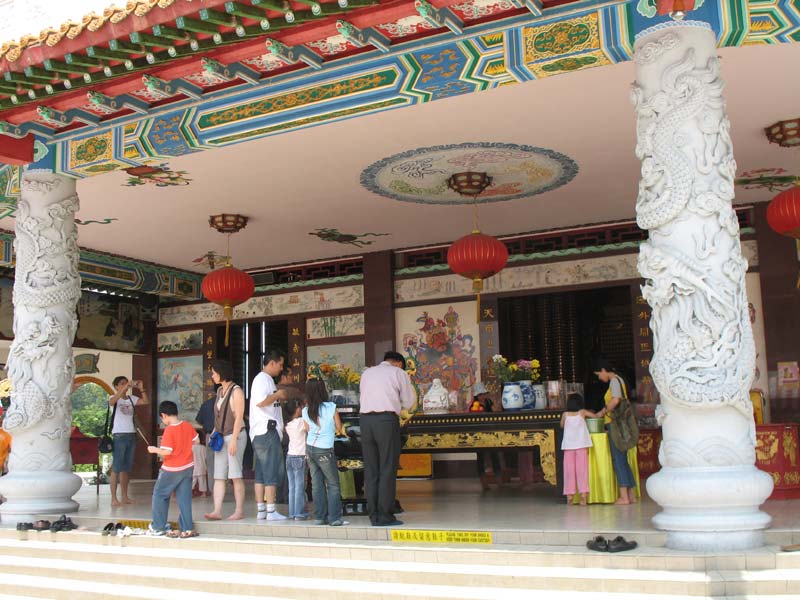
(575,444)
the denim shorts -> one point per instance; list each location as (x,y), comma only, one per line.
(122,456)
(268,460)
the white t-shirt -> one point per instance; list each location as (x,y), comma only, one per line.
(263,386)
(123,418)
(296,431)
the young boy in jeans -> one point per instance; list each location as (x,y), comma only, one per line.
(176,472)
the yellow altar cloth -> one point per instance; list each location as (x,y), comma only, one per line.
(602,480)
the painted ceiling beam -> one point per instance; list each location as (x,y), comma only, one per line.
(363,37)
(110,105)
(294,54)
(534,6)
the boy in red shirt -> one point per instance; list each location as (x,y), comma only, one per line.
(176,472)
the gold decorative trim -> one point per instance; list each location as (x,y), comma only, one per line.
(12,51)
(438,442)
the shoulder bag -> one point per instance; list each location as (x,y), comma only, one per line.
(624,429)
(217,440)
(106,444)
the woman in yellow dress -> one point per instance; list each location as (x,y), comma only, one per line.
(618,414)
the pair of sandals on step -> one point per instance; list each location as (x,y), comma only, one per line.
(618,544)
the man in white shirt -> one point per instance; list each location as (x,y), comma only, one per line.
(123,403)
(266,431)
(385,390)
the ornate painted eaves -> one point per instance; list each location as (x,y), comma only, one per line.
(108,270)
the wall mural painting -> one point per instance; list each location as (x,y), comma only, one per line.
(158,175)
(773,180)
(348,355)
(335,326)
(105,323)
(178,341)
(443,341)
(349,297)
(421,175)
(181,380)
(352,239)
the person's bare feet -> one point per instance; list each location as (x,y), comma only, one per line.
(583,501)
(632,497)
(621,501)
(212,516)
(236,517)
(128,501)
(115,503)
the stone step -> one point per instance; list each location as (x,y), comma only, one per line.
(209,570)
(24,587)
(533,556)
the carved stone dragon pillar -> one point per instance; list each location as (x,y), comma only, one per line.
(708,487)
(40,364)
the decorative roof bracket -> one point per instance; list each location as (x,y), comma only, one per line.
(229,72)
(534,6)
(363,37)
(109,105)
(439,17)
(294,54)
(164,89)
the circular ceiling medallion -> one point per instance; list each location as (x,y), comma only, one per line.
(421,175)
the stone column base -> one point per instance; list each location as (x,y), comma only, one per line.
(32,493)
(711,509)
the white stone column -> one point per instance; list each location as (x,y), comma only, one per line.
(704,360)
(40,364)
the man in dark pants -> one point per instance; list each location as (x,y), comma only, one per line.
(385,390)
(205,418)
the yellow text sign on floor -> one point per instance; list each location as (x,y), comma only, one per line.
(441,537)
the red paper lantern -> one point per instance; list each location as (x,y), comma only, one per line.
(783,213)
(228,287)
(477,256)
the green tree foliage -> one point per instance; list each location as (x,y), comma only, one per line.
(89,404)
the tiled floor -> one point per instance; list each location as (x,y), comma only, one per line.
(454,504)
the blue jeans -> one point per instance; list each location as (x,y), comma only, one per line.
(296,471)
(179,482)
(324,484)
(122,455)
(622,469)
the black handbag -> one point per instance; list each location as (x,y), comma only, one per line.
(106,443)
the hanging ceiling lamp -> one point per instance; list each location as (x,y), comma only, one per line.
(228,286)
(475,256)
(783,212)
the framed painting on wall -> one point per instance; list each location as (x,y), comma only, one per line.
(181,380)
(350,355)
(179,341)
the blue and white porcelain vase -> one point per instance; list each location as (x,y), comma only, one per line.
(540,396)
(512,396)
(528,399)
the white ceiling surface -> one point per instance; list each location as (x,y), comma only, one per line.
(293,183)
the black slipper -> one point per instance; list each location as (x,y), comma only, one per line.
(598,544)
(24,526)
(108,529)
(57,526)
(42,525)
(620,544)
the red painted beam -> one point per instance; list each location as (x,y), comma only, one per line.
(15,151)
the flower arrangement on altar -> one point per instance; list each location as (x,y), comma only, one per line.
(521,370)
(335,376)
